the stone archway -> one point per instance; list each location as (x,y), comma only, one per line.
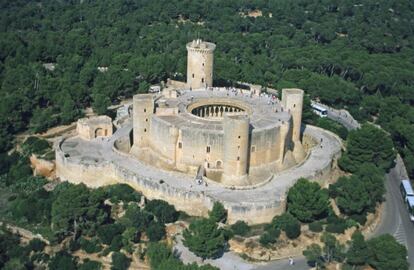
(99,132)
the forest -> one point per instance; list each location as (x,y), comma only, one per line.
(357,55)
(349,54)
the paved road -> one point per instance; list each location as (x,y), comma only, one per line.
(299,264)
(395,220)
(343,117)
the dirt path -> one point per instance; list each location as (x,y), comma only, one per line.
(107,261)
(25,234)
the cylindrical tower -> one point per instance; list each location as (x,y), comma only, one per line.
(292,101)
(143,109)
(200,64)
(236,142)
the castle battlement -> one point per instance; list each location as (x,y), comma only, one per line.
(200,46)
(196,144)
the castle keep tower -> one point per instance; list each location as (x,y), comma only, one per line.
(236,143)
(292,100)
(200,64)
(143,109)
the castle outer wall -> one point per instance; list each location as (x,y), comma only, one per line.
(258,205)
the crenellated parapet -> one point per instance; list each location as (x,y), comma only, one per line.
(199,46)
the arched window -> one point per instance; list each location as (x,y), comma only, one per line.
(99,132)
(219,164)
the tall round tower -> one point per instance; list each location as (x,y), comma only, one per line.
(143,109)
(200,64)
(292,101)
(236,143)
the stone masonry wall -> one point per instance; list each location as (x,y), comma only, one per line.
(193,202)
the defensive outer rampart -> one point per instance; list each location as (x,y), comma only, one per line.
(98,162)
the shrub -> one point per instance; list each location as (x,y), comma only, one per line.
(155,231)
(35,145)
(157,253)
(387,253)
(36,244)
(316,226)
(218,213)
(122,192)
(120,261)
(269,237)
(307,201)
(135,217)
(164,212)
(289,224)
(6,161)
(40,257)
(131,234)
(116,243)
(108,231)
(361,219)
(336,225)
(204,238)
(227,233)
(62,260)
(333,126)
(240,228)
(363,146)
(19,171)
(74,245)
(351,195)
(265,239)
(91,246)
(90,265)
(161,257)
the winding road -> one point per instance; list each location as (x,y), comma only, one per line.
(394,220)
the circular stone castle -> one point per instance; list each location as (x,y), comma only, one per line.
(192,144)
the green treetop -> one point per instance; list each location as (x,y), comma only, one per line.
(307,201)
(368,144)
(204,238)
